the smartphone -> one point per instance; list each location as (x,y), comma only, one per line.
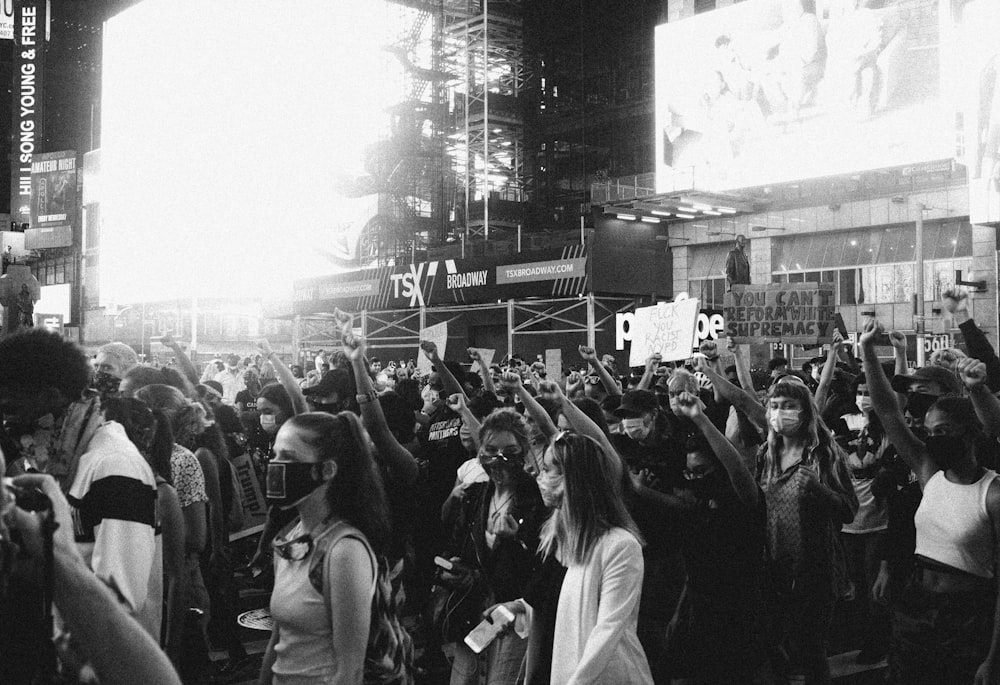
(455,567)
(487,631)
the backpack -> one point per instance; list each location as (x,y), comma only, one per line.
(389,656)
(236,518)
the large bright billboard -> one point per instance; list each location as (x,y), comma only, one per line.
(228,129)
(770,91)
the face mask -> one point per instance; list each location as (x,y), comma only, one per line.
(289,482)
(946,451)
(635,428)
(105,384)
(917,403)
(708,485)
(785,421)
(268,423)
(615,428)
(864,403)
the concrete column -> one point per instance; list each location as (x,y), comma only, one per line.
(760,260)
(984,267)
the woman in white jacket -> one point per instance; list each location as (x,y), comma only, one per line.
(592,534)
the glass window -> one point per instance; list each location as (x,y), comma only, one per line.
(887,251)
(938,277)
(848,294)
(834,257)
(779,278)
(796,278)
(907,244)
(852,249)
(817,250)
(963,247)
(944,246)
(884,284)
(812,277)
(870,242)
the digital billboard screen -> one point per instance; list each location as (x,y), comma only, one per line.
(770,91)
(228,129)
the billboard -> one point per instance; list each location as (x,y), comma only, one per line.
(977,27)
(30,25)
(53,191)
(769,91)
(541,273)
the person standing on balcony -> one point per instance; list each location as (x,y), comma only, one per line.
(737,265)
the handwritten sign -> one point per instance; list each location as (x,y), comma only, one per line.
(792,313)
(251,498)
(487,356)
(667,328)
(553,365)
(437,334)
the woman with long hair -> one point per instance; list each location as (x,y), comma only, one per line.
(591,533)
(326,561)
(809,496)
(494,533)
(944,623)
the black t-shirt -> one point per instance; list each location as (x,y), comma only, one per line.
(441,454)
(723,544)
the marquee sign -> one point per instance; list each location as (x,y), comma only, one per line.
(543,273)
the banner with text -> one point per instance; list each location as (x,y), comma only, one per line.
(542,273)
(26,107)
(252,500)
(792,313)
(53,190)
(666,328)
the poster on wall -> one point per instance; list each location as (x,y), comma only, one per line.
(789,313)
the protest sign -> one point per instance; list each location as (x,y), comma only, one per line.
(487,356)
(437,334)
(251,498)
(667,328)
(789,313)
(553,365)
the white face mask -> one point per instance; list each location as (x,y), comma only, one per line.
(785,421)
(635,428)
(864,403)
(268,423)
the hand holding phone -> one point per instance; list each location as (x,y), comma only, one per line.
(488,630)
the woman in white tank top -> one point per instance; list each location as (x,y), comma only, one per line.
(944,623)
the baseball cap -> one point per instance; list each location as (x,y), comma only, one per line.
(636,403)
(928,374)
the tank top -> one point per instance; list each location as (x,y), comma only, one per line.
(304,651)
(953,525)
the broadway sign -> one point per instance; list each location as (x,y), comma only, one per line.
(543,273)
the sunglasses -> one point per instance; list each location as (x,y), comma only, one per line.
(510,456)
(592,380)
(294,550)
(697,475)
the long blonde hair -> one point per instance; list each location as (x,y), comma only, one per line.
(591,504)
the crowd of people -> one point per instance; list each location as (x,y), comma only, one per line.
(690,522)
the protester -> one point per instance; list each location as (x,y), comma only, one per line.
(944,623)
(594,536)
(326,562)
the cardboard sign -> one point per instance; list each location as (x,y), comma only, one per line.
(437,334)
(487,355)
(553,365)
(667,328)
(789,313)
(251,498)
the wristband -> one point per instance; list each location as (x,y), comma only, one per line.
(369,396)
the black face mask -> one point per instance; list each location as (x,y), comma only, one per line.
(917,403)
(106,385)
(946,451)
(711,485)
(327,407)
(289,482)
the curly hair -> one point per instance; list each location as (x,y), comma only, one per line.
(510,421)
(187,418)
(356,493)
(149,431)
(38,359)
